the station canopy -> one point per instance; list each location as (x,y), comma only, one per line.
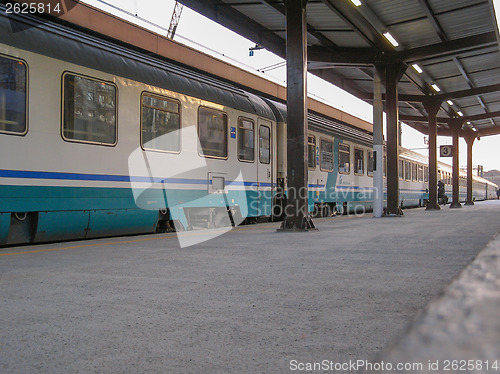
(450,49)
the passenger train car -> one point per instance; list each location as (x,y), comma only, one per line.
(98,139)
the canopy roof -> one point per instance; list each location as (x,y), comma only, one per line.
(455,43)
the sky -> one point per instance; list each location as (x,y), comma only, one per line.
(209,37)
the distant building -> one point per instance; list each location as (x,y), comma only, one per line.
(492,176)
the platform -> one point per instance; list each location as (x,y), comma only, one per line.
(251,301)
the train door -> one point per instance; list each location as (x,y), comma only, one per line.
(265,167)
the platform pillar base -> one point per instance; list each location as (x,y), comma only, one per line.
(433,207)
(306,225)
(398,213)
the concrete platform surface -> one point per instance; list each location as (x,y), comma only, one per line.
(250,301)
(459,331)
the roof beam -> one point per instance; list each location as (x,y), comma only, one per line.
(433,19)
(239,23)
(356,56)
(372,56)
(489,131)
(451,95)
(423,119)
(362,25)
(481,116)
(465,75)
(280,7)
(449,47)
(425,130)
(469,92)
(343,83)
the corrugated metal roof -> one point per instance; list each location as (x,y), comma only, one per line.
(393,12)
(455,42)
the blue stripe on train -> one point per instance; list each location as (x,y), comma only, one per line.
(26,174)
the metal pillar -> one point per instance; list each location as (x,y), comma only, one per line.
(297,213)
(393,74)
(469,139)
(456,126)
(378,145)
(432,108)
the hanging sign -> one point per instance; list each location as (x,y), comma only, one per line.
(446,151)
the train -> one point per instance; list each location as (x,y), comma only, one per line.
(100,139)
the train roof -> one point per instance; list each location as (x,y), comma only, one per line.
(325,124)
(412,155)
(449,169)
(67,44)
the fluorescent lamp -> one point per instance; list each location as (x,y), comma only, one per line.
(436,88)
(391,39)
(460,113)
(356,2)
(496,10)
(417,68)
(449,102)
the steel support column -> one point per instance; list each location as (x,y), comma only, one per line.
(393,74)
(378,145)
(455,127)
(297,213)
(432,108)
(469,139)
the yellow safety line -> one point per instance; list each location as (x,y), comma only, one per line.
(81,246)
(172,235)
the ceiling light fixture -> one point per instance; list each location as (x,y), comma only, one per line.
(391,39)
(449,102)
(496,10)
(436,88)
(417,68)
(356,2)
(460,113)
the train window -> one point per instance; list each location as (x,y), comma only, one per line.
(420,173)
(401,169)
(13,97)
(344,159)
(311,152)
(326,155)
(413,172)
(359,161)
(264,144)
(160,123)
(246,140)
(371,164)
(426,174)
(89,110)
(212,131)
(407,170)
